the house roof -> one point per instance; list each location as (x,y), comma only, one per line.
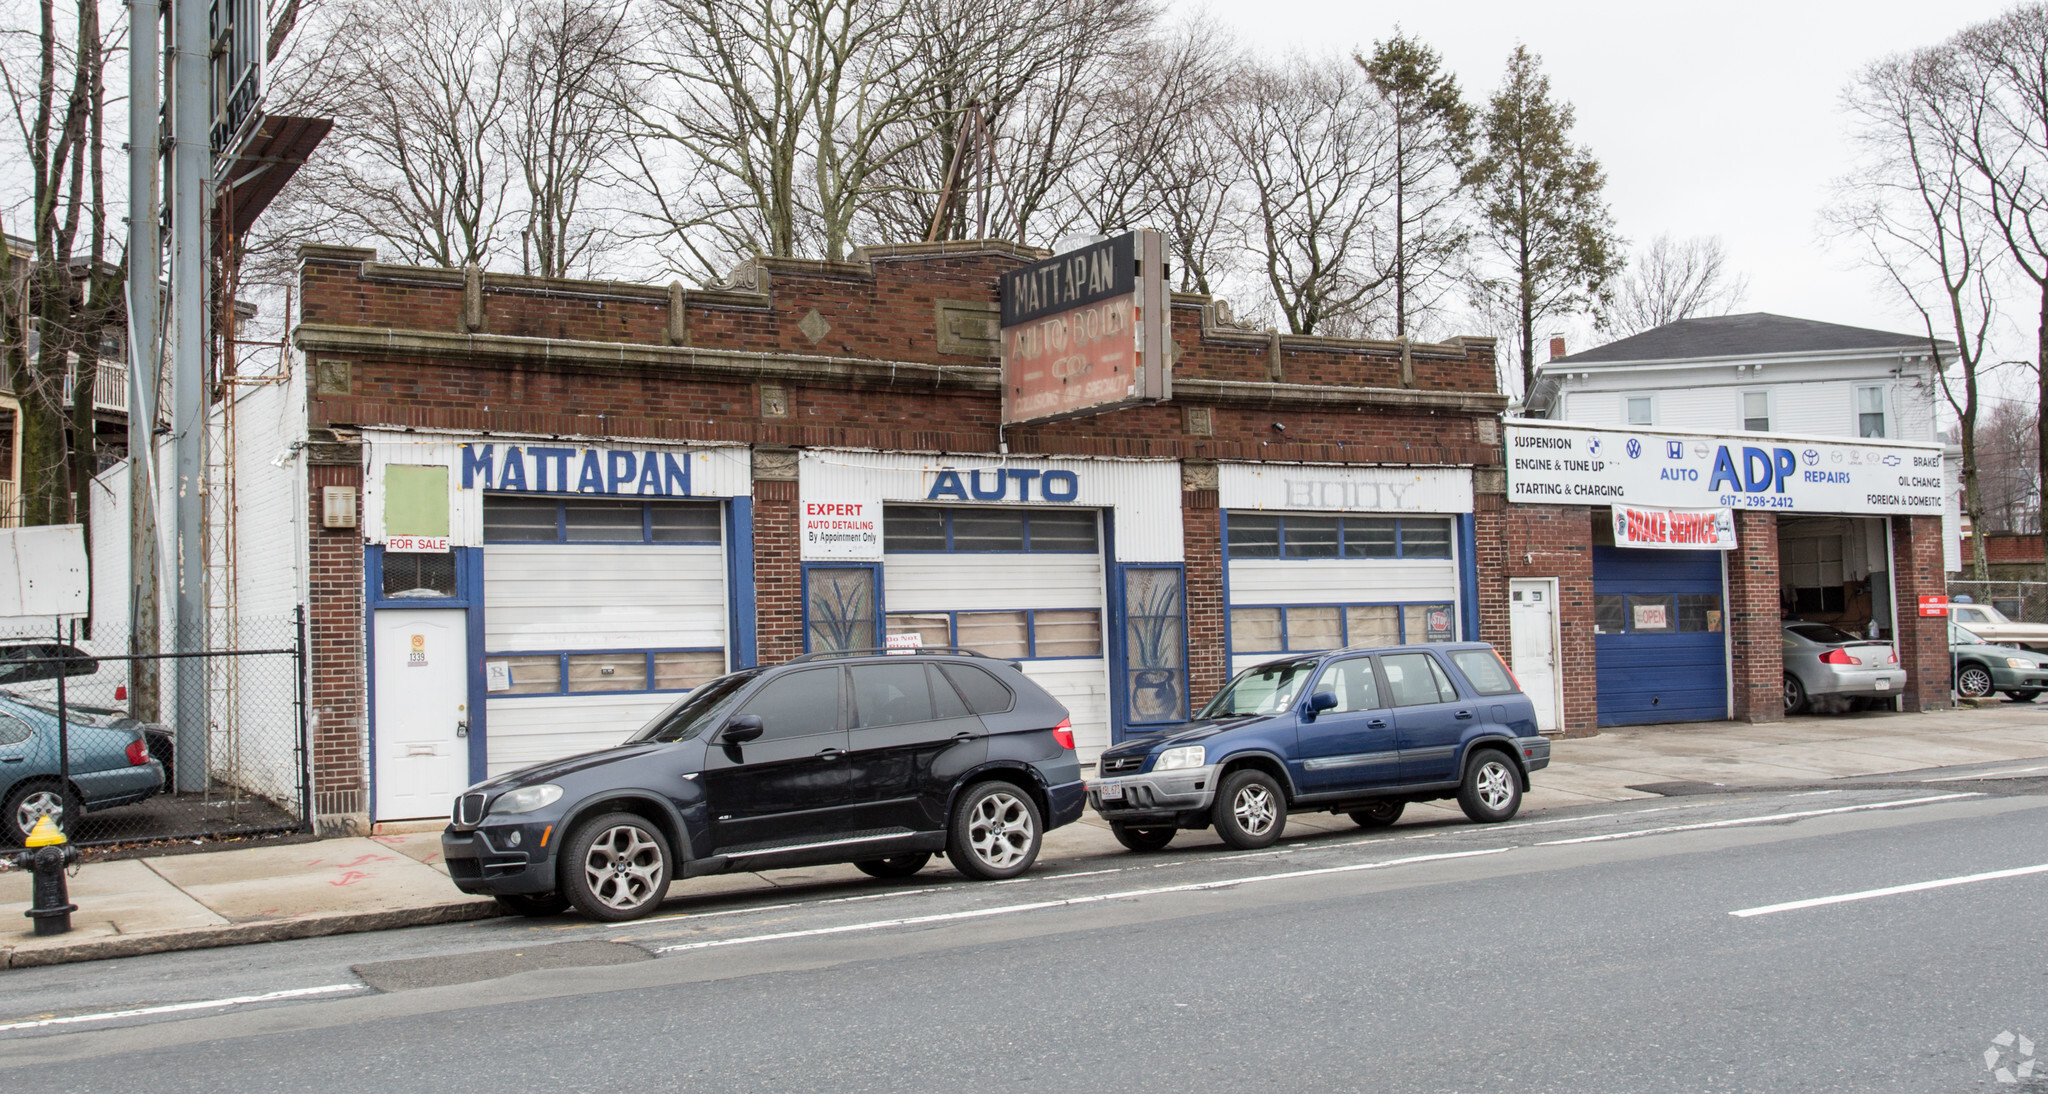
(1749,334)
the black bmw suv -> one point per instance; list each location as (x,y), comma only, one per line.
(869,758)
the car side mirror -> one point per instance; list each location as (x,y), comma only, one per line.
(1322,701)
(740,730)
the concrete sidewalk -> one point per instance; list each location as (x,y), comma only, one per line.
(259,894)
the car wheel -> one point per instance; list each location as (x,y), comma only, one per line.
(2021,695)
(1250,812)
(616,867)
(995,832)
(1379,814)
(900,866)
(1795,694)
(1491,790)
(1143,839)
(533,903)
(29,803)
(1973,681)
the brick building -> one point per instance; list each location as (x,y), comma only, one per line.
(540,509)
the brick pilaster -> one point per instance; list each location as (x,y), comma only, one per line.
(1922,641)
(1756,656)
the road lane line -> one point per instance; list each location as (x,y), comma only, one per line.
(1759,820)
(1012,909)
(174,1008)
(1868,894)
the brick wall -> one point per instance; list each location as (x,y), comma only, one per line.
(334,635)
(1546,541)
(778,572)
(1756,657)
(1201,535)
(2003,547)
(1922,640)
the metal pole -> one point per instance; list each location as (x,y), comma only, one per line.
(70,822)
(305,767)
(145,352)
(191,301)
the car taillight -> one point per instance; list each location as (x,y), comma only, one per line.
(1064,733)
(1891,657)
(120,693)
(138,752)
(1837,657)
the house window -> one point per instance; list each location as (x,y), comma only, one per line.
(1870,412)
(1639,410)
(1813,571)
(1756,411)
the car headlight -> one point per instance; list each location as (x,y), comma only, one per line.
(2020,663)
(526,799)
(1174,759)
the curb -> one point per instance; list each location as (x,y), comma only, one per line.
(237,934)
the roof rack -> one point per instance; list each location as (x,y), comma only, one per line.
(870,651)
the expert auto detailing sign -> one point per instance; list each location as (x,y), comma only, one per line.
(1084,332)
(1674,529)
(1579,465)
(842,529)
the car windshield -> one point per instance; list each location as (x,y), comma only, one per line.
(1266,689)
(1824,634)
(1960,635)
(702,709)
(1991,614)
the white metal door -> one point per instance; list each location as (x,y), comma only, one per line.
(422,682)
(1532,625)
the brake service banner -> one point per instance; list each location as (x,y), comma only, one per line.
(1579,465)
(1674,529)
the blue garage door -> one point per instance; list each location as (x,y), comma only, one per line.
(1657,647)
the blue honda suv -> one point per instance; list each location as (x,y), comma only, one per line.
(1357,731)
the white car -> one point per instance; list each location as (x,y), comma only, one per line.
(1991,625)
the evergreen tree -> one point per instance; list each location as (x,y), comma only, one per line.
(1432,131)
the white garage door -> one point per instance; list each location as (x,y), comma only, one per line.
(597,613)
(1303,583)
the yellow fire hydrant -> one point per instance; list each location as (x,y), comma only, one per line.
(47,856)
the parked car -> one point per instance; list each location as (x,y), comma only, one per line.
(872,759)
(28,672)
(110,766)
(1828,666)
(1984,667)
(1356,731)
(1991,625)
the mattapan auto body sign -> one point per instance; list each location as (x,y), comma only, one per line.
(1577,465)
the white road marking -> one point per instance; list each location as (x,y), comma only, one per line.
(1868,894)
(1758,820)
(680,915)
(875,896)
(1012,909)
(174,1008)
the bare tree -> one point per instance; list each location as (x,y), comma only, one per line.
(1673,279)
(1912,202)
(2008,466)
(1432,146)
(569,86)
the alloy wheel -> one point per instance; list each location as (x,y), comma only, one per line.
(35,806)
(1253,808)
(1973,682)
(1496,784)
(624,868)
(999,830)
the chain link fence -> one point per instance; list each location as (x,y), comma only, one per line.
(129,746)
(2019,601)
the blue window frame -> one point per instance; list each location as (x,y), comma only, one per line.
(1037,634)
(523,673)
(1308,628)
(1154,645)
(528,518)
(1300,535)
(932,529)
(842,606)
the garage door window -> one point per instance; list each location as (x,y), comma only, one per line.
(566,672)
(1268,535)
(517,519)
(1657,613)
(1015,635)
(1303,628)
(928,528)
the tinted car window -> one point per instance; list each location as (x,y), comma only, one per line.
(946,702)
(1412,679)
(983,692)
(1353,683)
(13,730)
(797,705)
(704,708)
(890,695)
(1823,634)
(1483,668)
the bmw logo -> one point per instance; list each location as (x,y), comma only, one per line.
(1593,446)
(1635,449)
(1812,456)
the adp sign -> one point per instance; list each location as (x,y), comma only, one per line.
(1558,464)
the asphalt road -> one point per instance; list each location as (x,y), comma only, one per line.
(1586,950)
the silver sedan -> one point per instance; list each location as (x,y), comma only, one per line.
(1828,666)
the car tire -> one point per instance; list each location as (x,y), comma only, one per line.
(1491,790)
(30,800)
(1147,838)
(616,867)
(996,831)
(1250,811)
(533,904)
(1973,681)
(1380,814)
(899,866)
(2022,695)
(1795,694)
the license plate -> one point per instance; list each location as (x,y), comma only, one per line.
(1884,685)
(1112,793)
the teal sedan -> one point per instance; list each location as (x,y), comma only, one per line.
(1982,667)
(110,766)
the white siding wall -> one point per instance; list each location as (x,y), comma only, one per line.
(1827,409)
(1593,407)
(539,728)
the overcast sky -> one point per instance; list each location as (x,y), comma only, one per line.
(1710,119)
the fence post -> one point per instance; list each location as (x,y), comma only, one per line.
(64,734)
(305,765)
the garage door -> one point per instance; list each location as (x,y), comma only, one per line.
(597,613)
(1659,654)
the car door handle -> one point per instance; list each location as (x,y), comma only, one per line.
(831,754)
(962,737)
(12,759)
(1465,715)
(1376,723)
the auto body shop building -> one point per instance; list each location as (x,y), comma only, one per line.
(541,509)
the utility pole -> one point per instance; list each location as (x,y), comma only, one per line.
(145,353)
(191,302)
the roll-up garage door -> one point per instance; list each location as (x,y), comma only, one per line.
(1658,648)
(1299,583)
(597,613)
(1024,584)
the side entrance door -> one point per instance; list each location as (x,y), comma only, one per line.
(1352,745)
(1532,628)
(787,786)
(422,752)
